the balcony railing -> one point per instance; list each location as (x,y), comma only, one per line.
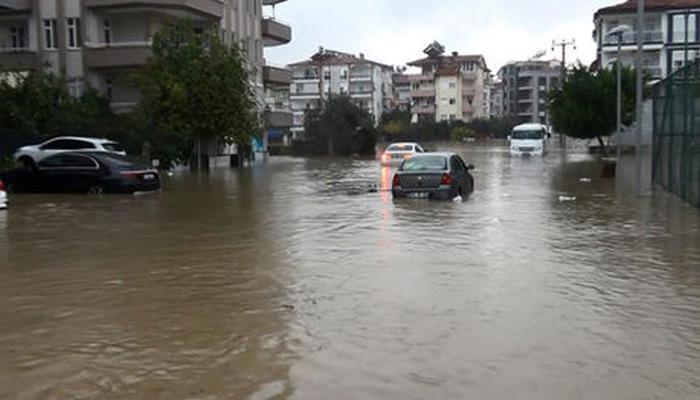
(117,54)
(18,59)
(275,32)
(631,38)
(16,5)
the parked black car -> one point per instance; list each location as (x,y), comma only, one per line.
(83,172)
(441,176)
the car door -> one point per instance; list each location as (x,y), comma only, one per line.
(468,178)
(68,173)
(459,174)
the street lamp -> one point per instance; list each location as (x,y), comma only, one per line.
(619,31)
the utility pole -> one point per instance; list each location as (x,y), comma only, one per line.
(564,44)
(640,88)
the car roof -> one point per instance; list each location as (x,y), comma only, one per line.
(529,127)
(437,153)
(404,144)
(85,138)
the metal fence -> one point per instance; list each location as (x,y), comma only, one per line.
(676,152)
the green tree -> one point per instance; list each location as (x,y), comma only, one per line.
(195,89)
(39,104)
(586,106)
(340,127)
(395,123)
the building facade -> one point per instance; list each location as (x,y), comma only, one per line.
(496,100)
(670,28)
(329,72)
(526,86)
(98,42)
(401,98)
(449,88)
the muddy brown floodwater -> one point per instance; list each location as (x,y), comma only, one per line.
(290,280)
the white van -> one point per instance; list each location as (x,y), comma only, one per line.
(529,139)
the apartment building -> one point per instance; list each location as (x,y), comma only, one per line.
(496,100)
(329,72)
(668,26)
(449,88)
(526,88)
(401,98)
(98,42)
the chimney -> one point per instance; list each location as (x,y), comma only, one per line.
(321,49)
(455,54)
(362,56)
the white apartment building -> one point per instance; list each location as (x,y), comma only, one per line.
(330,72)
(668,26)
(98,42)
(449,88)
(526,87)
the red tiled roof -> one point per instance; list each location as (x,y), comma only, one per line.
(333,57)
(630,6)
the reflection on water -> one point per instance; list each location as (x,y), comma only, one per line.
(303,279)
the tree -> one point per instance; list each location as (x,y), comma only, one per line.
(586,105)
(195,89)
(395,123)
(339,126)
(39,105)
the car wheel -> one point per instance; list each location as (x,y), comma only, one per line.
(96,190)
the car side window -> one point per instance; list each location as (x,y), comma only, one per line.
(68,161)
(68,144)
(420,149)
(462,164)
(53,162)
(454,165)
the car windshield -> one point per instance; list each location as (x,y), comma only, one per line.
(400,147)
(426,163)
(533,134)
(113,146)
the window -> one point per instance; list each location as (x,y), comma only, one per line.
(107,27)
(679,24)
(425,163)
(68,144)
(68,161)
(19,37)
(453,101)
(327,75)
(453,85)
(76,88)
(73,27)
(453,117)
(50,34)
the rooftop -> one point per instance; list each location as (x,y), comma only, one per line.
(630,6)
(333,57)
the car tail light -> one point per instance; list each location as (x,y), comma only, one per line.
(130,174)
(397,181)
(2,185)
(446,179)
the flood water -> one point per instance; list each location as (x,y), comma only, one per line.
(294,280)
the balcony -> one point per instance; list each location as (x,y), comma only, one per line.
(18,60)
(273,75)
(204,8)
(423,92)
(272,2)
(117,55)
(16,5)
(630,38)
(279,118)
(275,33)
(423,109)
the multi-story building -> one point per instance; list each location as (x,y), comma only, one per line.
(668,26)
(449,88)
(496,99)
(401,98)
(98,42)
(526,87)
(329,72)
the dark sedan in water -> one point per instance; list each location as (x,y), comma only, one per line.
(83,172)
(441,176)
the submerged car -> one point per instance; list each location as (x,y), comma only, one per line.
(396,153)
(29,156)
(83,172)
(441,176)
(3,196)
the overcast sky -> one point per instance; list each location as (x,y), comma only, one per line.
(396,31)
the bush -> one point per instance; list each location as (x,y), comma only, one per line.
(461,133)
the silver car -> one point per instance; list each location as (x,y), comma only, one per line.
(441,176)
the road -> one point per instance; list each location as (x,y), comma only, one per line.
(293,279)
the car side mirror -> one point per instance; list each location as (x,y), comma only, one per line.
(509,138)
(470,167)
